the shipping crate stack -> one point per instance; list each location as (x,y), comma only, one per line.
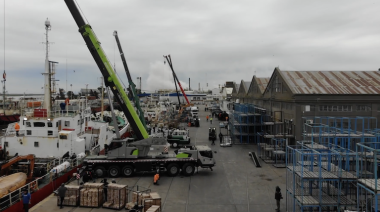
(91,195)
(116,196)
(154,199)
(139,197)
(154,208)
(71,196)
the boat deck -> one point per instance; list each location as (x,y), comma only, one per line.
(234,185)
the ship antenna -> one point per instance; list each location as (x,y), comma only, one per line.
(47,73)
(4,75)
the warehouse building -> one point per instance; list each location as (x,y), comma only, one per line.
(291,95)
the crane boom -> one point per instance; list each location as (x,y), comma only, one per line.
(130,81)
(110,77)
(16,159)
(169,59)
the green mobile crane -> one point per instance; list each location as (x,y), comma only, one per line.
(126,156)
(132,86)
(110,77)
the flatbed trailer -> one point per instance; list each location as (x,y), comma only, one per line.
(127,167)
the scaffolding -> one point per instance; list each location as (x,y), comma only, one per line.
(368,187)
(320,180)
(335,166)
(251,124)
(346,132)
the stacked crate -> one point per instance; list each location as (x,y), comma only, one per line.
(154,199)
(71,196)
(154,208)
(116,196)
(91,195)
(139,197)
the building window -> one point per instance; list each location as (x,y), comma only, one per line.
(6,144)
(28,124)
(57,145)
(50,132)
(39,124)
(49,124)
(36,144)
(63,137)
(29,132)
(67,123)
(363,108)
(335,108)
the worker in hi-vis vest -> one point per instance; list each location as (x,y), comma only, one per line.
(156,178)
(17,128)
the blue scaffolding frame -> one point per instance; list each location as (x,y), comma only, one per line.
(320,180)
(251,124)
(367,163)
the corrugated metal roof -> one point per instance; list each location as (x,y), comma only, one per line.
(262,83)
(333,82)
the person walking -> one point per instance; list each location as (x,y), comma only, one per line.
(211,120)
(278,197)
(26,198)
(17,128)
(207,118)
(61,193)
(220,137)
(213,140)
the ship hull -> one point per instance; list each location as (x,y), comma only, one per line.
(43,192)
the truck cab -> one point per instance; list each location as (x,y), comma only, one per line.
(202,153)
(178,137)
(194,111)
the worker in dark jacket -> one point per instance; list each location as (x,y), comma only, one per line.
(61,193)
(105,187)
(220,137)
(278,197)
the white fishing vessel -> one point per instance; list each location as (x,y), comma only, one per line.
(57,127)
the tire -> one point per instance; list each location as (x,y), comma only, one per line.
(100,171)
(127,170)
(188,169)
(114,171)
(173,169)
(175,144)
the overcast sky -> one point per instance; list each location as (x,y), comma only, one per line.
(209,41)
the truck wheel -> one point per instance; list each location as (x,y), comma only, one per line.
(127,170)
(173,169)
(175,144)
(100,171)
(188,169)
(114,171)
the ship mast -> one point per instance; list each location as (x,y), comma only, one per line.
(47,95)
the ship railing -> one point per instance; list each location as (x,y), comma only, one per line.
(15,196)
(74,162)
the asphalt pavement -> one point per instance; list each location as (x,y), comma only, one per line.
(234,185)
